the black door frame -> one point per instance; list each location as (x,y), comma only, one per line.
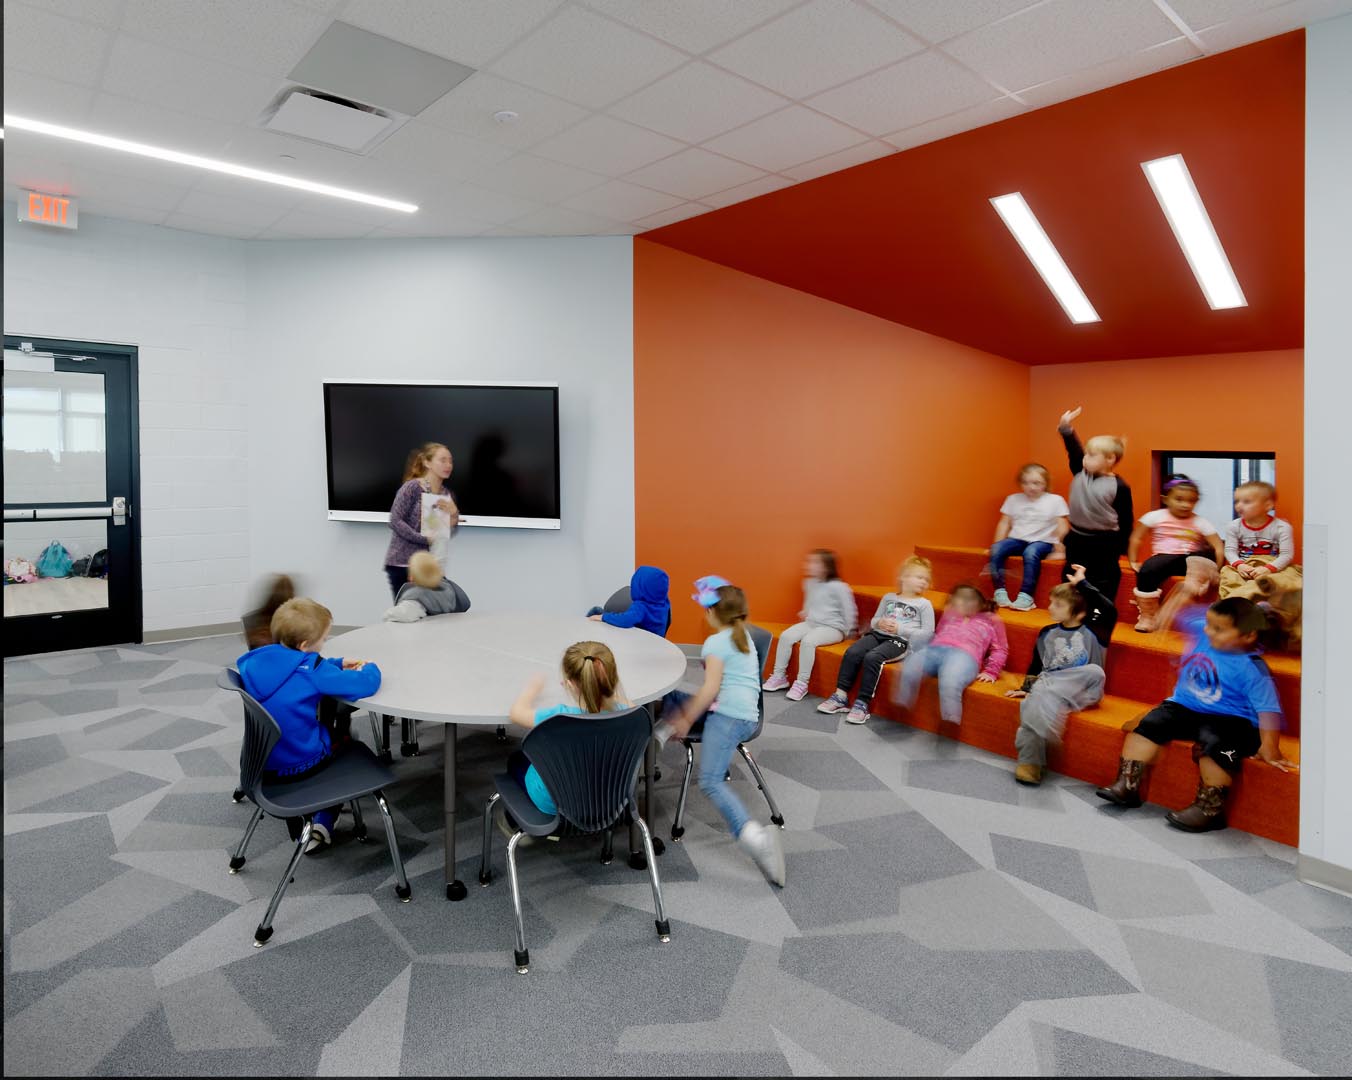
(122,622)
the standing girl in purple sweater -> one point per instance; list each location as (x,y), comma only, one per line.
(428,469)
(969,644)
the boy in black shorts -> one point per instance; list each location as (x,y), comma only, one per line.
(1224,701)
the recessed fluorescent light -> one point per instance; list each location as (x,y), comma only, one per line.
(1033,239)
(109,142)
(1173,187)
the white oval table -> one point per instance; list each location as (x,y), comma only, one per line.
(469,668)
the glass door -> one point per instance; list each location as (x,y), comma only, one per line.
(72,540)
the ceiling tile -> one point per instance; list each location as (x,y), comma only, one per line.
(232,210)
(111,208)
(538,179)
(35,172)
(421,148)
(560,221)
(154,193)
(105,13)
(1201,14)
(966,120)
(742,192)
(265,149)
(432,221)
(194,84)
(303,224)
(504,230)
(1289,16)
(50,45)
(488,205)
(819,45)
(1059,37)
(587,59)
(469,109)
(606,145)
(918,89)
(260,35)
(188,223)
(693,25)
(675,214)
(41,98)
(469,31)
(1178,51)
(141,121)
(697,102)
(620,201)
(788,137)
(693,173)
(938,22)
(855,155)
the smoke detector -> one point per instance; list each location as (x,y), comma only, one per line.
(315,116)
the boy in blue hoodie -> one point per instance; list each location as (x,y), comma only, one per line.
(649,607)
(290,679)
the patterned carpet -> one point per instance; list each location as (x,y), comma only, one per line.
(937,919)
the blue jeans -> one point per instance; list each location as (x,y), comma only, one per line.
(720,737)
(1033,552)
(955,669)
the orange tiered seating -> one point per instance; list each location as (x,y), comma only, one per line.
(1141,673)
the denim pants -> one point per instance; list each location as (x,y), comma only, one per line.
(719,739)
(955,669)
(1033,552)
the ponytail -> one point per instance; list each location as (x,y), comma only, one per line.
(590,666)
(730,611)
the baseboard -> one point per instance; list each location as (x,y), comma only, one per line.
(189,633)
(1324,874)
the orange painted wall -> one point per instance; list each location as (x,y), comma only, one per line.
(1179,403)
(769,422)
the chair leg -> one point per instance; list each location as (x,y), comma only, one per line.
(237,795)
(608,848)
(383,747)
(663,926)
(522,954)
(678,826)
(401,889)
(502,733)
(264,930)
(358,822)
(379,745)
(775,815)
(486,858)
(408,738)
(237,860)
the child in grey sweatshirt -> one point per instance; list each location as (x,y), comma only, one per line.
(426,593)
(828,615)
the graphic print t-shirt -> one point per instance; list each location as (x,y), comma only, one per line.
(911,612)
(1171,535)
(1222,683)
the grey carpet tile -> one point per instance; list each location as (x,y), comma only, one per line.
(925,922)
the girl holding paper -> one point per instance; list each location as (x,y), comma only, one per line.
(424,510)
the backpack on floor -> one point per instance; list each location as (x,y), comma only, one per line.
(20,571)
(55,560)
(98,564)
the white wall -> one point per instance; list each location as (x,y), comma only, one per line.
(180,297)
(1326,733)
(480,309)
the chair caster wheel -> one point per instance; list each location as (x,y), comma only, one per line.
(238,795)
(638,861)
(658,845)
(404,892)
(502,734)
(409,749)
(235,863)
(677,833)
(261,936)
(485,880)
(522,958)
(456,890)
(727,776)
(663,929)
(778,819)
(657,775)
(606,860)
(362,838)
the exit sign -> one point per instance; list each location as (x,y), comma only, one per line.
(58,210)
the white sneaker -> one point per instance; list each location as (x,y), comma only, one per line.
(763,845)
(319,837)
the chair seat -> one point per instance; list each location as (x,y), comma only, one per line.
(354,774)
(530,819)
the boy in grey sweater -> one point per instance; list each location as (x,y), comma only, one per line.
(828,616)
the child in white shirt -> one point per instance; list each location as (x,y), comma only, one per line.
(1033,523)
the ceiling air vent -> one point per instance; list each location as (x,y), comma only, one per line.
(333,121)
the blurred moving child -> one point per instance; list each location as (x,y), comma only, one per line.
(969,644)
(828,615)
(1182,543)
(649,606)
(427,592)
(1100,506)
(258,622)
(900,616)
(1033,524)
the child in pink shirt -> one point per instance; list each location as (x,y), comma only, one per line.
(969,644)
(1181,543)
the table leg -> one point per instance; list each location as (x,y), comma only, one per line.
(455,889)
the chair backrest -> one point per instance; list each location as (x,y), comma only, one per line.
(461,597)
(619,601)
(261,734)
(590,763)
(760,638)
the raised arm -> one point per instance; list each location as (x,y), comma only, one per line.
(522,712)
(1074,451)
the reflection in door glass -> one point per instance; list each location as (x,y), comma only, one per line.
(55,566)
(55,440)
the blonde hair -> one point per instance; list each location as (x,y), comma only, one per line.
(731,611)
(1262,486)
(300,621)
(420,460)
(590,666)
(424,570)
(1033,466)
(917,562)
(1106,444)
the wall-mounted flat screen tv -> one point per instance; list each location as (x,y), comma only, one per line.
(503,437)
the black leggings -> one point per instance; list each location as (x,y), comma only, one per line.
(1158,569)
(1098,553)
(398,576)
(870,653)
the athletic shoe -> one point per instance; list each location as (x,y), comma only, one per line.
(858,714)
(1023,602)
(775,682)
(1002,597)
(797,691)
(834,704)
(319,837)
(763,844)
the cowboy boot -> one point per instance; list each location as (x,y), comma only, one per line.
(1148,603)
(1028,774)
(1126,789)
(1206,812)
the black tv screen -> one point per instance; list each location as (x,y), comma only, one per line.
(504,440)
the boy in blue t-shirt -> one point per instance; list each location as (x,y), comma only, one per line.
(1224,701)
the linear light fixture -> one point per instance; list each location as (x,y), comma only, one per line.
(1028,231)
(109,142)
(1177,194)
